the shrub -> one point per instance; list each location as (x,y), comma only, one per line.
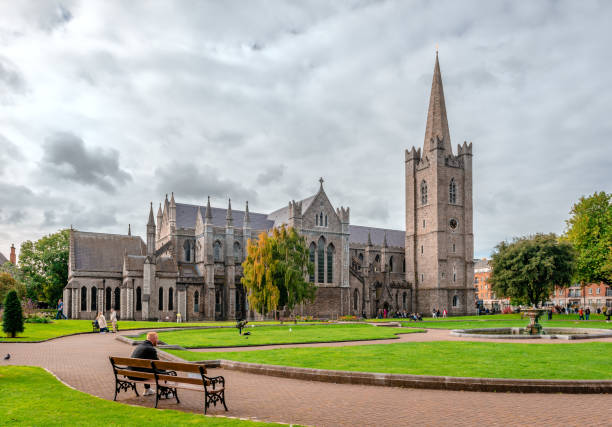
(36,319)
(12,321)
(348,318)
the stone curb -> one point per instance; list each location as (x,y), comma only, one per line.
(419,381)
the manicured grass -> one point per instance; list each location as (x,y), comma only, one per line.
(261,335)
(31,396)
(457,359)
(469,324)
(44,331)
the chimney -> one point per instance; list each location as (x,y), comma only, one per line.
(13,256)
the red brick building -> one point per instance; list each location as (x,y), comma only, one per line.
(484,293)
(594,295)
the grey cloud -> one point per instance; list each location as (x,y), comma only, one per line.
(273,173)
(11,79)
(80,218)
(13,216)
(9,153)
(66,156)
(197,181)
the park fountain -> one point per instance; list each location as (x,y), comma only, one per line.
(533,330)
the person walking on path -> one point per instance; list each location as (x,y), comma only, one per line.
(587,312)
(444,313)
(60,310)
(102,323)
(580,314)
(146,350)
(113,319)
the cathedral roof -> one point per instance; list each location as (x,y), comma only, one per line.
(103,252)
(166,264)
(281,216)
(3,259)
(135,262)
(186,217)
(359,235)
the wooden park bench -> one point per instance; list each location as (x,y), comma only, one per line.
(167,377)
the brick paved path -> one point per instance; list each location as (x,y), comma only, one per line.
(82,361)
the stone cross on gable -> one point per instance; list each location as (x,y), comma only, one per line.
(321,181)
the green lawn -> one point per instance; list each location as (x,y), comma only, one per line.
(491,317)
(261,335)
(44,331)
(31,396)
(469,324)
(457,359)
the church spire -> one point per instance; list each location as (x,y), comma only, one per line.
(437,122)
(229,219)
(208,212)
(247,217)
(151,218)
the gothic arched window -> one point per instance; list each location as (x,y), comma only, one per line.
(404,265)
(452,191)
(237,251)
(160,301)
(138,299)
(170,299)
(217,251)
(108,298)
(391,264)
(330,263)
(187,249)
(355,299)
(326,220)
(94,299)
(321,261)
(196,302)
(83,298)
(117,298)
(377,263)
(321,219)
(313,249)
(424,192)
(455,301)
(361,259)
(404,301)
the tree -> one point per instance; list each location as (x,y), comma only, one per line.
(589,230)
(12,320)
(45,263)
(528,269)
(276,270)
(8,283)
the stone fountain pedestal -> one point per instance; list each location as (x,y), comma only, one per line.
(534,328)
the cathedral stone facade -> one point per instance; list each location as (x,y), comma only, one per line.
(191,260)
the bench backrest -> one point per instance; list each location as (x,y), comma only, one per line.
(179,367)
(125,366)
(182,371)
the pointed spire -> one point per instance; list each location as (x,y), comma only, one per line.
(369,239)
(208,212)
(159,211)
(247,217)
(199,221)
(385,240)
(129,229)
(172,202)
(437,122)
(151,219)
(228,217)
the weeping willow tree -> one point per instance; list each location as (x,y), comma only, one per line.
(276,271)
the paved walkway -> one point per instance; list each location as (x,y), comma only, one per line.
(82,361)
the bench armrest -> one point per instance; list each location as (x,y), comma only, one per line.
(213,381)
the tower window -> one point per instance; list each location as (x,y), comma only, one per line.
(452,191)
(423,223)
(423,192)
(421,249)
(453,247)
(455,301)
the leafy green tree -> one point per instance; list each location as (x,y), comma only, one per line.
(8,283)
(45,263)
(12,319)
(276,270)
(589,230)
(528,269)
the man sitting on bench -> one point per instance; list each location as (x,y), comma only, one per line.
(146,350)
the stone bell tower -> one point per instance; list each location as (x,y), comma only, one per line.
(439,238)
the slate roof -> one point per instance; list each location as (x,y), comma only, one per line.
(104,252)
(135,262)
(186,217)
(3,259)
(281,216)
(359,235)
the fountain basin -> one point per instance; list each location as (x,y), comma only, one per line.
(521,334)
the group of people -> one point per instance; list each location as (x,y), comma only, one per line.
(101,321)
(435,313)
(584,313)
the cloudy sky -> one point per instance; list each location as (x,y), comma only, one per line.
(105,106)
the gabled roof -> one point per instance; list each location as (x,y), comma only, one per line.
(3,259)
(186,217)
(281,216)
(359,235)
(103,252)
